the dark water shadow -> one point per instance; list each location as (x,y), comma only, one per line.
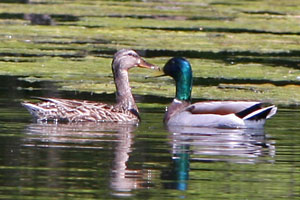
(15,1)
(210,145)
(5,15)
(28,2)
(91,41)
(65,18)
(62,55)
(287,59)
(169,17)
(219,29)
(17,60)
(17,87)
(218,81)
(41,19)
(263,12)
(224,3)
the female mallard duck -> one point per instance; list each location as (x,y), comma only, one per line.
(222,114)
(125,110)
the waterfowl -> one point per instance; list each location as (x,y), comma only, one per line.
(125,109)
(220,114)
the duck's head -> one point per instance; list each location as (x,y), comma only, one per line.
(181,71)
(126,59)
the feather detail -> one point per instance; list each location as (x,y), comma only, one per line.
(262,113)
(77,111)
(220,107)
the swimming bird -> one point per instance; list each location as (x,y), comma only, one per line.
(220,114)
(125,109)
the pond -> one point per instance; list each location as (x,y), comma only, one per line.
(239,50)
(108,161)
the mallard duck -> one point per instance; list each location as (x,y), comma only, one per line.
(125,109)
(221,114)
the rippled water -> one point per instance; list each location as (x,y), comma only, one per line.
(106,161)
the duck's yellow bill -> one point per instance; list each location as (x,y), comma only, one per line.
(156,74)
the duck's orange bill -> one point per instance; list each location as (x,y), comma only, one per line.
(145,64)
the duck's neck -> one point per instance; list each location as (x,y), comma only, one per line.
(184,86)
(124,96)
(183,94)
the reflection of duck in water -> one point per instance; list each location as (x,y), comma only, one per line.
(93,137)
(212,144)
(229,114)
(241,146)
(123,179)
(86,135)
(125,110)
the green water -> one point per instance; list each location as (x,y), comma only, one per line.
(109,161)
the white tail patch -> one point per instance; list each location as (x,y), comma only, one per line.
(31,107)
(272,112)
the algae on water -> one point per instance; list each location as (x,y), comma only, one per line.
(238,49)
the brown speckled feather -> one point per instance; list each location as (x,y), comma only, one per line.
(77,111)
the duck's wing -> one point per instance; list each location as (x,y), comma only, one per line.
(64,109)
(246,110)
(222,107)
(74,110)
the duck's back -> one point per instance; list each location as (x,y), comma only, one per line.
(53,109)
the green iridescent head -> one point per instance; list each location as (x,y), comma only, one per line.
(181,70)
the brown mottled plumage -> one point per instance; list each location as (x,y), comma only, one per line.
(125,110)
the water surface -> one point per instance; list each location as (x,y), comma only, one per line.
(107,161)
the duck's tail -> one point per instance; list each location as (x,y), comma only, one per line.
(33,109)
(257,112)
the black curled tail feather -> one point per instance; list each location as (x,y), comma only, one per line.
(261,115)
(257,112)
(249,110)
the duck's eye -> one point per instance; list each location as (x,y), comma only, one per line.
(132,54)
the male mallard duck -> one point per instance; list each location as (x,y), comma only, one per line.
(222,114)
(125,110)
